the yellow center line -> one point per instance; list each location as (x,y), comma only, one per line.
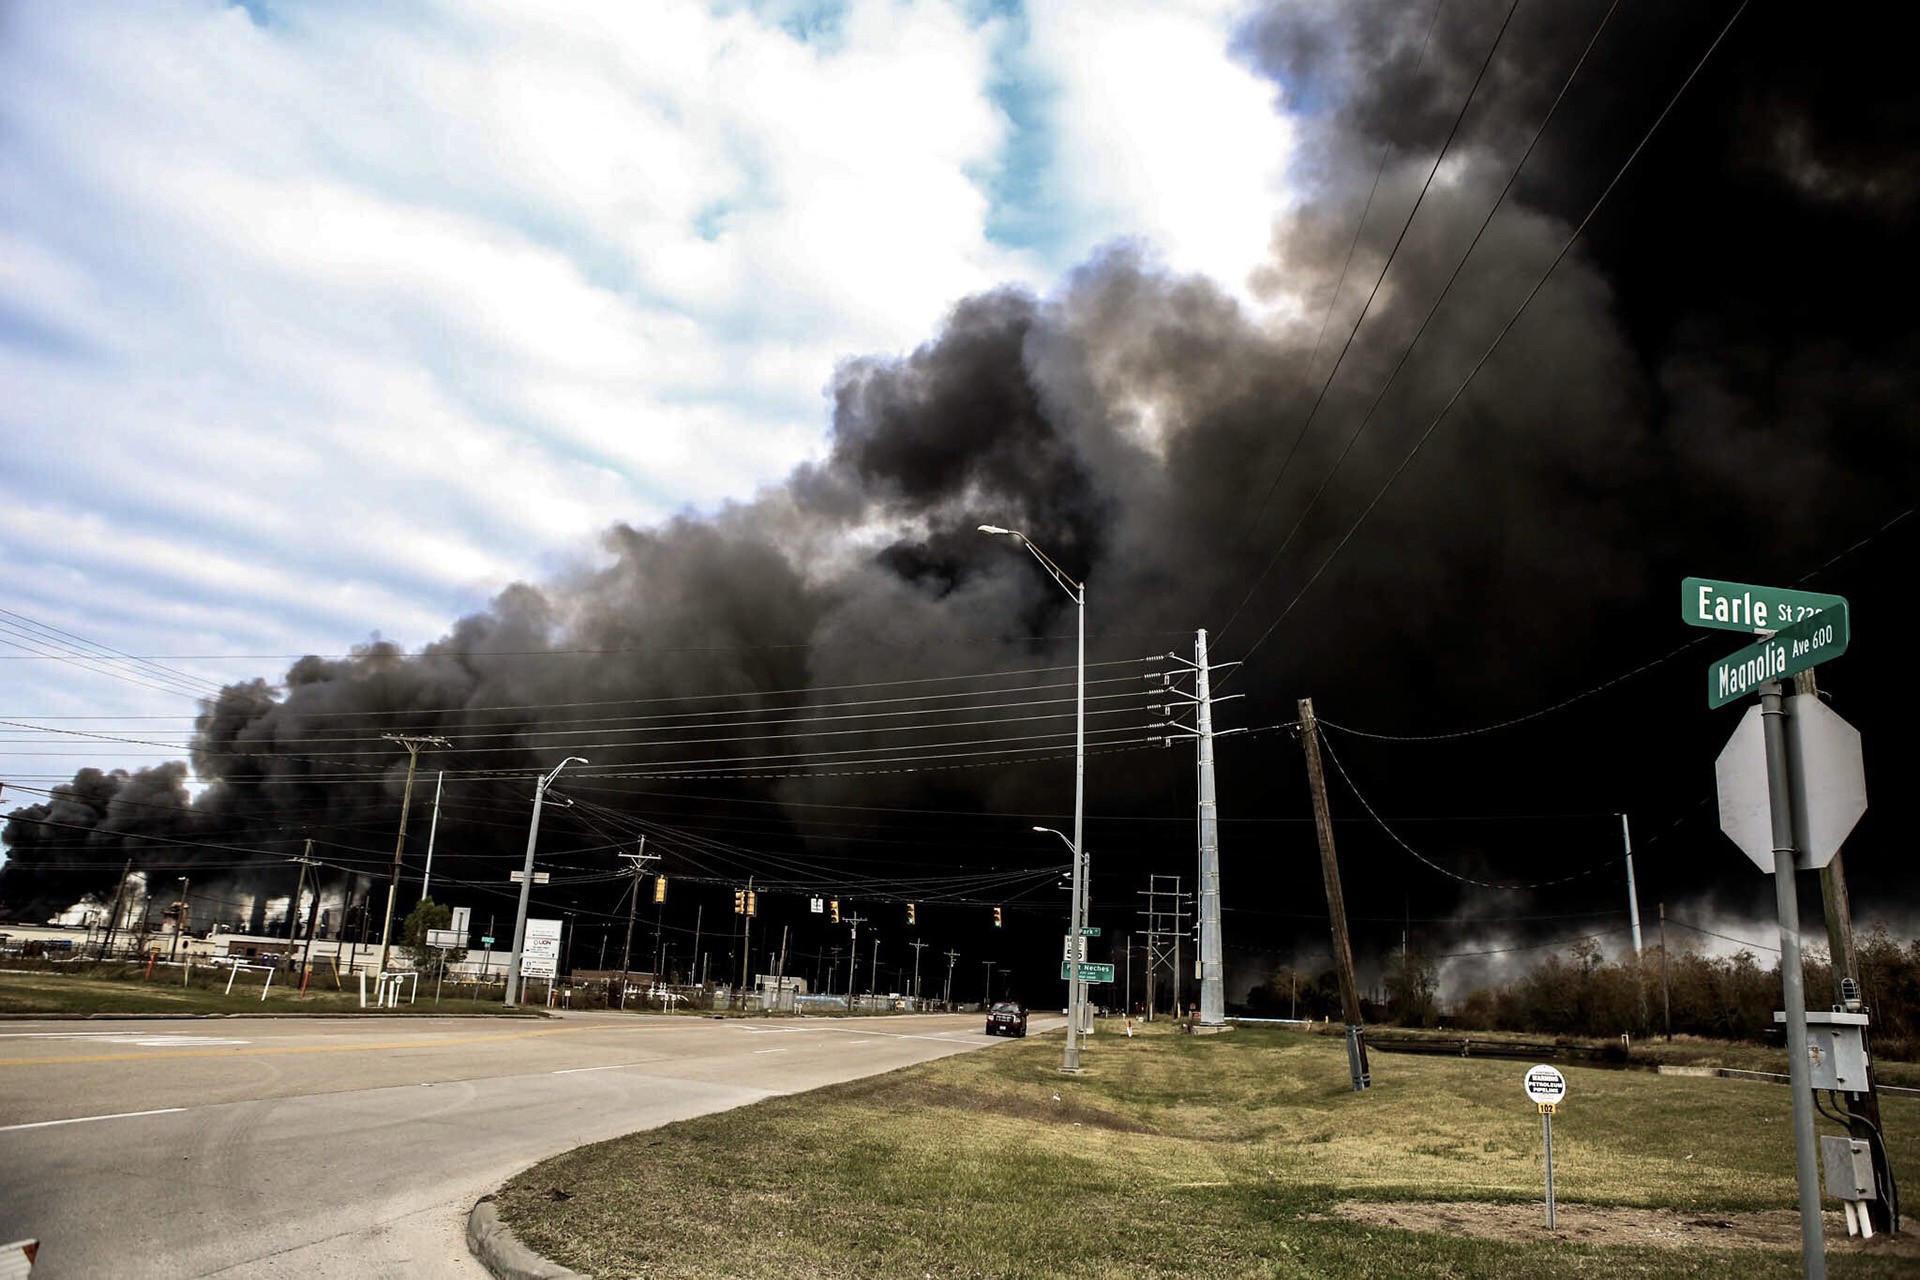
(165,1054)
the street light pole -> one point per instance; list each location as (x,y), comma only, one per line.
(526,879)
(1076,989)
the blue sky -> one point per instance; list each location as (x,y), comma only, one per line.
(325,319)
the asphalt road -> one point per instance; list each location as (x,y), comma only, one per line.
(354,1147)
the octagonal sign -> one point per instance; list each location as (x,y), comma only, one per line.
(1829,784)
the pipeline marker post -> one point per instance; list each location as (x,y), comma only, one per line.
(1546,1088)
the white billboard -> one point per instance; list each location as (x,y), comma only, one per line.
(541,957)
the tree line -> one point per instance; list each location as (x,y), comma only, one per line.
(1582,993)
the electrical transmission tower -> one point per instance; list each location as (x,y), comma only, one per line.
(1166,918)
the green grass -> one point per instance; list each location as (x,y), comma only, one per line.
(112,988)
(1174,1156)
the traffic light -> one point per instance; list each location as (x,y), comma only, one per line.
(753,903)
(659,888)
(910,919)
(836,910)
(996,917)
(739,902)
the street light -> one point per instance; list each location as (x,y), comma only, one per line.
(526,879)
(1076,989)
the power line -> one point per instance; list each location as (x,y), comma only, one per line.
(1505,329)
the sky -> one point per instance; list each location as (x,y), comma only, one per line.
(630,382)
(321,321)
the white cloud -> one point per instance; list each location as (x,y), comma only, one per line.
(1160,134)
(340,321)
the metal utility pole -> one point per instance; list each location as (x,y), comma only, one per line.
(433,830)
(873,970)
(1165,924)
(780,966)
(1336,901)
(1773,719)
(526,879)
(412,744)
(917,946)
(1213,1003)
(659,925)
(113,920)
(1212,969)
(853,957)
(986,1000)
(1666,991)
(946,995)
(1633,898)
(1077,917)
(639,859)
(746,945)
(693,957)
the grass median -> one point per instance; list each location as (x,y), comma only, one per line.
(1235,1155)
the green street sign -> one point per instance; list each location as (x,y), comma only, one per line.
(1089,972)
(1741,606)
(1089,930)
(1805,644)
(486,942)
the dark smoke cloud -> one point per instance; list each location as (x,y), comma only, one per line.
(1717,380)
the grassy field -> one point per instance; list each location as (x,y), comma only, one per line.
(113,988)
(1223,1156)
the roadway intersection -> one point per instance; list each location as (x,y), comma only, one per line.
(268,1147)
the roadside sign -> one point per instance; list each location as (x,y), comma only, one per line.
(487,940)
(446,939)
(1827,781)
(1089,930)
(1545,1085)
(462,921)
(1089,972)
(1073,948)
(541,958)
(1805,644)
(1741,606)
(817,906)
(519,877)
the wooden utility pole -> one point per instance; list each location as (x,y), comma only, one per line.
(1863,1109)
(1336,900)
(413,743)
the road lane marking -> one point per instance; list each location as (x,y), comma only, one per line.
(276,1050)
(118,1115)
(618,1066)
(153,1039)
(769,1050)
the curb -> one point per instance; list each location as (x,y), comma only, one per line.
(501,1252)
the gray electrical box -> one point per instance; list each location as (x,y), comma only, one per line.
(1849,1167)
(1837,1046)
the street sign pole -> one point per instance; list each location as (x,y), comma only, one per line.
(1773,717)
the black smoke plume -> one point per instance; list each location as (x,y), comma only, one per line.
(1716,380)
